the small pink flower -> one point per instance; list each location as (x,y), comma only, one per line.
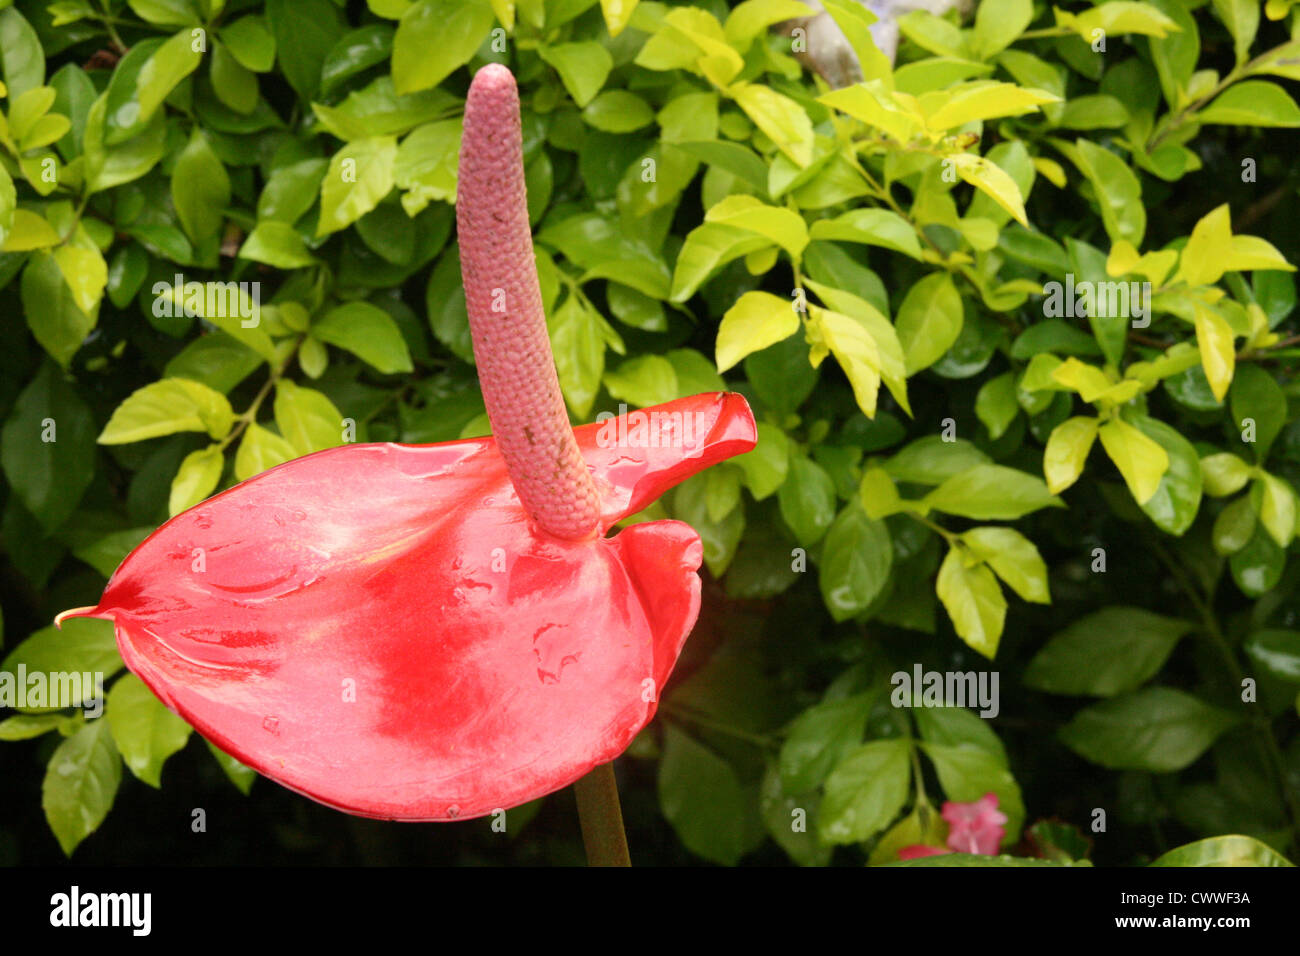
(976,827)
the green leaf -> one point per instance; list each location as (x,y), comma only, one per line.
(435,37)
(259,450)
(1112,651)
(359,176)
(643,381)
(1224,474)
(1158,729)
(973,601)
(819,738)
(583,67)
(168,13)
(368,332)
(291,191)
(1234,850)
(1118,191)
(110,164)
(305,31)
(47,447)
(856,560)
(21,56)
(56,320)
(1256,395)
(1013,558)
(307,420)
(618,111)
(176,59)
(766,467)
(1234,526)
(239,774)
(876,227)
(29,726)
(865,792)
(929,320)
(998,25)
(996,405)
(145,731)
(250,43)
(166,407)
(200,189)
(701,796)
(277,244)
(785,815)
(1257,567)
(1252,103)
(692,503)
(1277,651)
(992,493)
(234,84)
(579,336)
(82,645)
(1177,498)
(708,248)
(932,460)
(757,320)
(195,480)
(807,500)
(80,783)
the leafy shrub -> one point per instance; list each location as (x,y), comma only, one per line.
(1058,428)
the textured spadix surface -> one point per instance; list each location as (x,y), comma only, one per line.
(382,628)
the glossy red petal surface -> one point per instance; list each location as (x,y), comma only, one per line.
(381,628)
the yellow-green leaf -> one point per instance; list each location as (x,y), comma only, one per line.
(1218,354)
(29,231)
(166,407)
(194,481)
(1277,509)
(782,120)
(1015,560)
(974,601)
(785,227)
(757,320)
(853,347)
(1067,450)
(259,450)
(1141,460)
(990,179)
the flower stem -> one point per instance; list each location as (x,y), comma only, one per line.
(601,818)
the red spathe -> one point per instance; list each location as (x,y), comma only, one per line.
(381,627)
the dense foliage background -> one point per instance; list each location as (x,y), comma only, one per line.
(1099,508)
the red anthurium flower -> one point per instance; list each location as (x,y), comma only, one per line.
(432,632)
(917,850)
